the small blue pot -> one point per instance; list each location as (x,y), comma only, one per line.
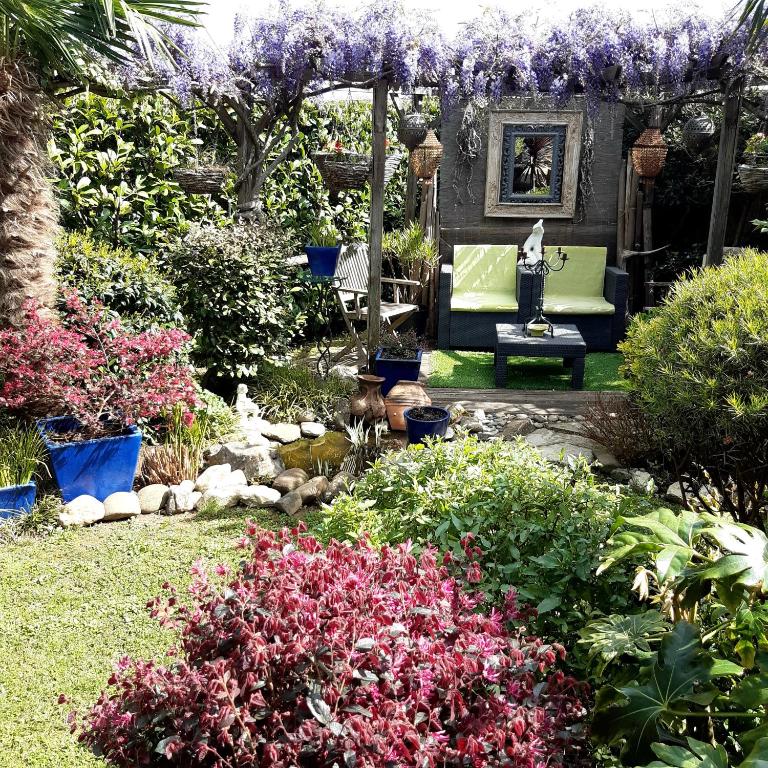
(322,259)
(98,467)
(396,370)
(17,499)
(418,429)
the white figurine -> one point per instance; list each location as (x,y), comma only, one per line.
(532,247)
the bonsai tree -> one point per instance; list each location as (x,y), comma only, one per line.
(50,47)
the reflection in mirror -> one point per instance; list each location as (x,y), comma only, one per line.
(531,164)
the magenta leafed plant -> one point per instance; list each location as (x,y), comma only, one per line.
(88,366)
(345,655)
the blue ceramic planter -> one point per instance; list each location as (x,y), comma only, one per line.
(418,429)
(322,259)
(96,467)
(17,499)
(396,370)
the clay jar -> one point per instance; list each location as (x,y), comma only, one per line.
(405,394)
(367,403)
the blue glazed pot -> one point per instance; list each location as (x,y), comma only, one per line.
(322,259)
(396,370)
(418,429)
(96,467)
(17,499)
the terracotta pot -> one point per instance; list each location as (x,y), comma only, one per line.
(405,394)
(367,403)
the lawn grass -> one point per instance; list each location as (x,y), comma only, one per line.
(474,370)
(72,604)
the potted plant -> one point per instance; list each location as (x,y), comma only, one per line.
(88,381)
(753,172)
(21,453)
(426,421)
(323,249)
(411,255)
(398,358)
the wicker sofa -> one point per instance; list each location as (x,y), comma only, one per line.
(485,285)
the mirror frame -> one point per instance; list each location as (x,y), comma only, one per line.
(565,208)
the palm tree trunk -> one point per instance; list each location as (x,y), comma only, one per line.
(28,208)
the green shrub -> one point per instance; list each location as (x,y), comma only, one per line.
(222,420)
(698,367)
(238,294)
(285,392)
(540,526)
(125,282)
(115,160)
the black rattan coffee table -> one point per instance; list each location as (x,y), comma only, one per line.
(511,340)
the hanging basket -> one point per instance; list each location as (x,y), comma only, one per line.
(412,130)
(754,178)
(343,170)
(425,159)
(697,133)
(203,180)
(649,153)
(390,166)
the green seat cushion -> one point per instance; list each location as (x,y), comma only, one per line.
(575,305)
(484,301)
(484,278)
(578,288)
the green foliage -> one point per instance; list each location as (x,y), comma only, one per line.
(540,526)
(115,160)
(221,418)
(698,367)
(21,453)
(286,392)
(323,233)
(127,283)
(709,576)
(410,247)
(238,294)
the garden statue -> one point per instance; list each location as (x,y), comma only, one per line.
(248,412)
(532,246)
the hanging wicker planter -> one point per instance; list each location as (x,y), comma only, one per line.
(649,153)
(754,178)
(412,130)
(697,132)
(350,170)
(203,180)
(425,159)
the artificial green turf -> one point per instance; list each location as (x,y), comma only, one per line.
(474,370)
(72,604)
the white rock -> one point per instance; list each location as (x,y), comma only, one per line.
(259,496)
(224,497)
(344,371)
(121,505)
(83,510)
(479,415)
(253,438)
(283,432)
(641,481)
(182,498)
(312,429)
(152,498)
(255,461)
(674,493)
(185,486)
(213,476)
(561,452)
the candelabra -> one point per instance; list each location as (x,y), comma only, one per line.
(541,268)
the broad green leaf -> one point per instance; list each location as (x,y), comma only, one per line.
(696,755)
(758,757)
(751,692)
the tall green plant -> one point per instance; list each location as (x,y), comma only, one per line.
(22,451)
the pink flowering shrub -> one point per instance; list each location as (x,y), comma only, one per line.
(90,367)
(347,656)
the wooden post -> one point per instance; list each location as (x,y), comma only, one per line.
(726,157)
(376,231)
(620,215)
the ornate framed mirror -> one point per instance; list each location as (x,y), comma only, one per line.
(533,163)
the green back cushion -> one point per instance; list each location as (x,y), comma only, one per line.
(583,274)
(491,268)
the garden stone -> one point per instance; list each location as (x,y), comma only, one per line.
(152,498)
(224,497)
(283,433)
(259,496)
(479,415)
(341,414)
(182,498)
(256,438)
(675,494)
(641,481)
(472,426)
(290,504)
(256,461)
(542,437)
(516,428)
(621,475)
(83,510)
(121,505)
(605,458)
(313,490)
(312,429)
(562,452)
(290,479)
(348,372)
(214,476)
(340,483)
(307,416)
(569,427)
(450,434)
